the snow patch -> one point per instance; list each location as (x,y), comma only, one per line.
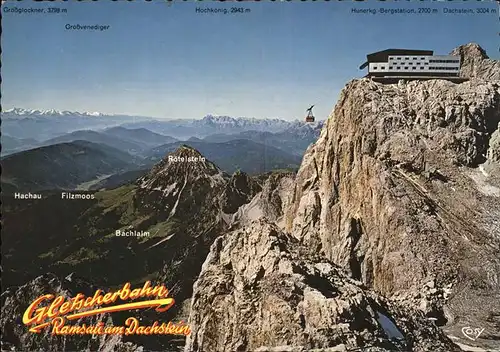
(390,329)
(172,212)
(166,190)
(481,168)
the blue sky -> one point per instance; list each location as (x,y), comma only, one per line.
(168,61)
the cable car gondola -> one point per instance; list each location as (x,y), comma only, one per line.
(310,116)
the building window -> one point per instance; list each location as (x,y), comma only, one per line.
(414,58)
(421,68)
(443,61)
(411,63)
(406,68)
(375,67)
(418,63)
(399,58)
(390,67)
(413,68)
(407,58)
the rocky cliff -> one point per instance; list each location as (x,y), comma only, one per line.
(241,188)
(270,203)
(262,290)
(402,190)
(402,193)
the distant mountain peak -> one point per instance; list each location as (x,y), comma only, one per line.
(475,63)
(178,180)
(185,150)
(185,154)
(212,117)
(470,51)
(185,164)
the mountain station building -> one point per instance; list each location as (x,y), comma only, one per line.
(392,65)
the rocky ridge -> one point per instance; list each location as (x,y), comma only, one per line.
(240,190)
(268,292)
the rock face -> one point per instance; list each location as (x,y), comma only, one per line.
(261,290)
(270,203)
(494,151)
(396,192)
(14,333)
(240,190)
(476,63)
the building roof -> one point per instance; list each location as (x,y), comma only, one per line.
(383,56)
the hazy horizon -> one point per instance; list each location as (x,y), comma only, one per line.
(160,118)
(169,61)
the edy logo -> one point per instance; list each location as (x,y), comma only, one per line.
(472,334)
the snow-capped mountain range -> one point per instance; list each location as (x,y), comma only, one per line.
(251,123)
(214,120)
(242,122)
(22,113)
